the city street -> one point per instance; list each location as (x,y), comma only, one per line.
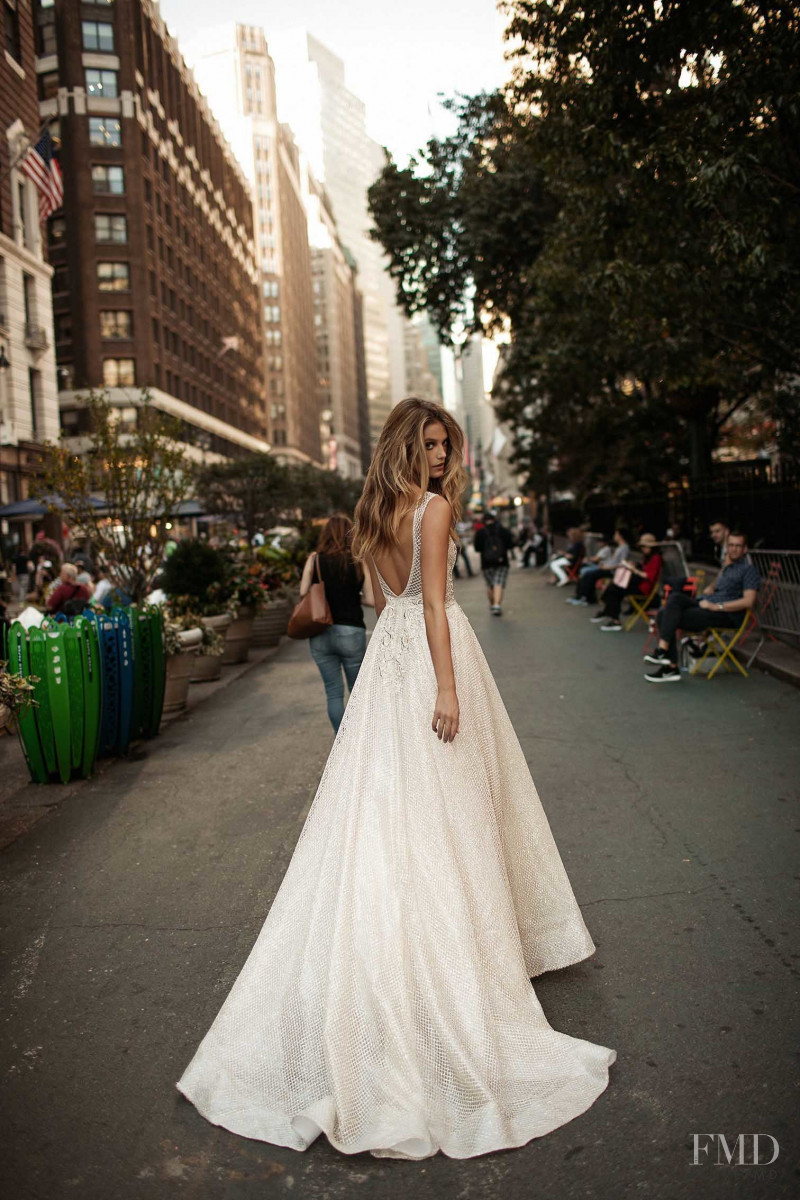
(129,910)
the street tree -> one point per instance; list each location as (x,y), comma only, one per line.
(121,487)
(626,210)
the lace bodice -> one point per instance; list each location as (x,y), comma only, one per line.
(412,592)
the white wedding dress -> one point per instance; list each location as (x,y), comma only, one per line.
(387,1000)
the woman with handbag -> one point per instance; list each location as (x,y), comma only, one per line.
(630,578)
(340,644)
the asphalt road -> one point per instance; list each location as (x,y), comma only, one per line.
(128,912)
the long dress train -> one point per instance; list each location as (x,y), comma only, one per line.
(387,999)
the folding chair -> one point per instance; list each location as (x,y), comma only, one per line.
(641,604)
(574,571)
(693,582)
(725,639)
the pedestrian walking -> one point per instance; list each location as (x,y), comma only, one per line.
(493,542)
(387,1000)
(340,647)
(464,531)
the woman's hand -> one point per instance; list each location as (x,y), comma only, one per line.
(445,715)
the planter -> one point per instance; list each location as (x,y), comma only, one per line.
(179,669)
(271,623)
(221,622)
(206,668)
(238,637)
(5,716)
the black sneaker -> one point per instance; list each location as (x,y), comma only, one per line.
(665,674)
(599,619)
(696,649)
(657,658)
(611,627)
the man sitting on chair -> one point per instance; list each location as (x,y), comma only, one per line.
(734,591)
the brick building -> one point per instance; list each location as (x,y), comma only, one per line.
(234,67)
(28,402)
(156,281)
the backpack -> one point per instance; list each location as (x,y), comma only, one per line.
(493,550)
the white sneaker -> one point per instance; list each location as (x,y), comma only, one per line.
(564,582)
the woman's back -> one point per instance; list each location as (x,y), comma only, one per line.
(342,588)
(395,564)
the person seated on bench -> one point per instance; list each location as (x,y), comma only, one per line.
(600,566)
(641,580)
(563,563)
(735,590)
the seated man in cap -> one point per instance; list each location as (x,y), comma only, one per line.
(641,580)
(735,590)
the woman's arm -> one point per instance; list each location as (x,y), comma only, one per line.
(306,578)
(433,562)
(377,590)
(367,594)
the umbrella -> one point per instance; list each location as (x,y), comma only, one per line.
(37,508)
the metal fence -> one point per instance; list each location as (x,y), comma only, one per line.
(779,612)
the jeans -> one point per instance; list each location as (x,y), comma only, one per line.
(337,648)
(586,586)
(684,612)
(614,595)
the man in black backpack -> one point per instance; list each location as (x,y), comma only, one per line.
(493,543)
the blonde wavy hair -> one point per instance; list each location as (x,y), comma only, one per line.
(399,467)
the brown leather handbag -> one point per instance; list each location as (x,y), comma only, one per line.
(312,614)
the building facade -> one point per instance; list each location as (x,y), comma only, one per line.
(233,66)
(329,122)
(336,321)
(156,282)
(28,399)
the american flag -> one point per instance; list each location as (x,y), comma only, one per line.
(40,166)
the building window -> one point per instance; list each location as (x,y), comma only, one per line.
(108,180)
(105,131)
(58,231)
(60,280)
(97,35)
(114,276)
(110,228)
(48,85)
(11,19)
(94,3)
(119,372)
(101,83)
(46,39)
(63,327)
(34,390)
(22,203)
(29,298)
(116,323)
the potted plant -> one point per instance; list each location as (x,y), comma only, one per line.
(16,694)
(281,580)
(207,664)
(248,598)
(181,646)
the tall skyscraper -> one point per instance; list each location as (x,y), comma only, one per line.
(156,280)
(234,68)
(337,320)
(329,122)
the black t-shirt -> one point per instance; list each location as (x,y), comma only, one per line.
(343,590)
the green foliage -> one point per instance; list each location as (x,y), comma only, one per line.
(259,491)
(143,476)
(628,211)
(197,578)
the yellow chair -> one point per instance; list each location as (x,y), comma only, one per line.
(640,605)
(725,639)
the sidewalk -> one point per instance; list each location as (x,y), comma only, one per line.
(129,911)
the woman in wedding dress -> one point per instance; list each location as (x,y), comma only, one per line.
(387,1000)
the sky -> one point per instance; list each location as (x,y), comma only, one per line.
(398,55)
